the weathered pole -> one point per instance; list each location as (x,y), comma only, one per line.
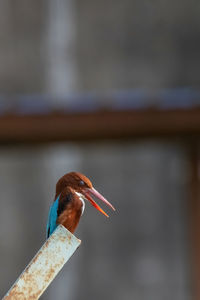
(45,265)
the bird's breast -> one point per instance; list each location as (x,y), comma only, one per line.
(70,216)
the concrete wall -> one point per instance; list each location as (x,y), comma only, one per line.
(64,45)
(140,252)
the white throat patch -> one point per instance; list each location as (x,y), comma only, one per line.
(81,197)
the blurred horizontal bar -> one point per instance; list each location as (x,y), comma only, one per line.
(136,99)
(98,125)
(44,266)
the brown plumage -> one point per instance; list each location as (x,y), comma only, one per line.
(72,179)
(69,209)
(71,191)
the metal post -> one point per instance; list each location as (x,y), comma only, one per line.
(44,266)
(194,206)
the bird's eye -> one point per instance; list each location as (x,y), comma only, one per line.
(81,182)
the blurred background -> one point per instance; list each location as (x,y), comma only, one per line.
(109,89)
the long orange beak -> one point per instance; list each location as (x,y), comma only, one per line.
(92,191)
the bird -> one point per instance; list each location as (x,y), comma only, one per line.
(68,206)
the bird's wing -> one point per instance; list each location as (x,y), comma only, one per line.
(53,213)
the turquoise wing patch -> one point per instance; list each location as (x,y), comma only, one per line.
(51,224)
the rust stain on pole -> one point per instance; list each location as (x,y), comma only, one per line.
(44,266)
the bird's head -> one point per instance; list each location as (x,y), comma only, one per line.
(81,185)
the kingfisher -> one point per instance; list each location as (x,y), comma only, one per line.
(72,190)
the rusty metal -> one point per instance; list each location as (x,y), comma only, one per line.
(99,125)
(44,266)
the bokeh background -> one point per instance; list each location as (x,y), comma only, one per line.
(61,54)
